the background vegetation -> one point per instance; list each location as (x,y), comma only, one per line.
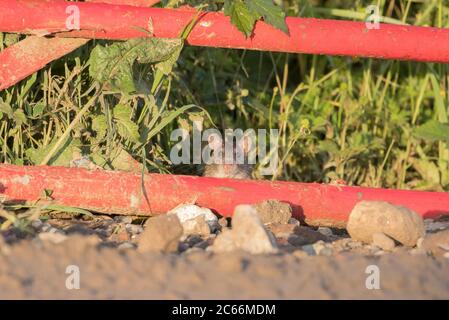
(367,122)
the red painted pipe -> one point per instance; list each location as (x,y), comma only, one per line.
(138,3)
(121,193)
(307,35)
(33,53)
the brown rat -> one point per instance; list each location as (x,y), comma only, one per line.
(234,169)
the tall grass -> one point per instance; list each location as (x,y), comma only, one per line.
(339,118)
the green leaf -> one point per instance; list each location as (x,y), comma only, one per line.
(11,38)
(28,84)
(63,157)
(19,117)
(100,126)
(62,208)
(166,66)
(328,146)
(433,130)
(123,161)
(440,106)
(6,109)
(241,16)
(166,118)
(38,109)
(46,194)
(126,128)
(113,64)
(428,170)
(271,13)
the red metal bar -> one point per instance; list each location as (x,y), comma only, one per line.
(313,36)
(138,3)
(119,192)
(33,53)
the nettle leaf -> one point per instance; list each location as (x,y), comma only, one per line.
(433,130)
(19,117)
(113,64)
(126,128)
(6,109)
(270,12)
(69,148)
(166,66)
(38,109)
(100,126)
(241,16)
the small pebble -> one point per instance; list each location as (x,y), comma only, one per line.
(309,249)
(294,222)
(126,246)
(123,219)
(321,249)
(325,230)
(354,244)
(36,224)
(134,228)
(223,222)
(432,226)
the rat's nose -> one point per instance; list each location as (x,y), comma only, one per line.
(227,167)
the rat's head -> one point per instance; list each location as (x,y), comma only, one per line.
(228,157)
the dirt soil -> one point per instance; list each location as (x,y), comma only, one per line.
(35,268)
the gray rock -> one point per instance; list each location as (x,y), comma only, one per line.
(399,223)
(134,228)
(123,219)
(305,235)
(309,249)
(186,212)
(36,224)
(161,233)
(383,241)
(326,231)
(294,221)
(432,226)
(322,249)
(248,234)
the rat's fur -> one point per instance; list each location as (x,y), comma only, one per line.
(234,170)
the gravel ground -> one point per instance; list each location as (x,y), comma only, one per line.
(332,266)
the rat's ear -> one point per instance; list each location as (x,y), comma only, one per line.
(245,143)
(214,140)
